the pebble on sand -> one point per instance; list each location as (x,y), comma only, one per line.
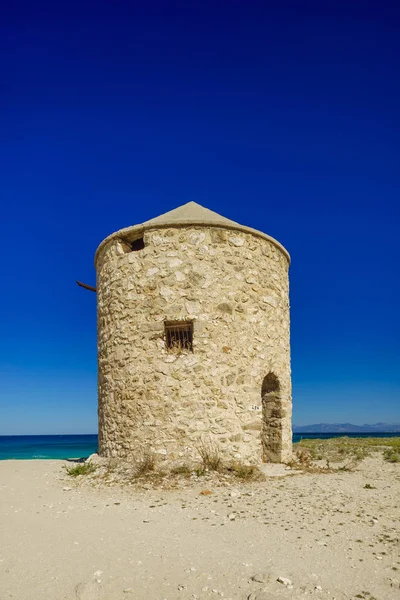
(284,580)
(261,577)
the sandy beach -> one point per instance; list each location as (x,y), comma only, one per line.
(325,535)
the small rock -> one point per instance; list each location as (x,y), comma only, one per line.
(318,588)
(128,591)
(67,489)
(232,516)
(261,577)
(284,580)
(146,520)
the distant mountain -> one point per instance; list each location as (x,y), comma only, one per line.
(347,428)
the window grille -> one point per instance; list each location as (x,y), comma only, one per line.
(178,335)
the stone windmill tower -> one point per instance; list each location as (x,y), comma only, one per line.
(193,339)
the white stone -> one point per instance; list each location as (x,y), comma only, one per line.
(175,262)
(196,237)
(170,358)
(284,581)
(235,240)
(159,239)
(166,292)
(193,308)
(270,300)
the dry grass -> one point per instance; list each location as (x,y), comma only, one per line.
(209,454)
(184,469)
(246,472)
(146,464)
(147,471)
(311,456)
(217,467)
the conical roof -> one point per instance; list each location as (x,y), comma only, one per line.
(186,215)
(191,213)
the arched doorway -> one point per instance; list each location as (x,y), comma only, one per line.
(272,413)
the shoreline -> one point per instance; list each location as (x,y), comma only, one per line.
(38,451)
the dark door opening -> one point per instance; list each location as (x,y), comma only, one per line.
(271,430)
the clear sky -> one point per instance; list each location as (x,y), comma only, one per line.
(283,116)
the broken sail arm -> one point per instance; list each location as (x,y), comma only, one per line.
(86,286)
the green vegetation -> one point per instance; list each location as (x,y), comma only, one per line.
(392,454)
(312,455)
(345,448)
(81,469)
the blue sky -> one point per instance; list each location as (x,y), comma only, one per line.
(282,116)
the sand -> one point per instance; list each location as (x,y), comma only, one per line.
(325,536)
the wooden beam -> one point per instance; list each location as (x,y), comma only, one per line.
(86,286)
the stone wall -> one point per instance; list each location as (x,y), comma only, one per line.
(234,286)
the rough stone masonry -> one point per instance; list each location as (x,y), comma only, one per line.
(193,339)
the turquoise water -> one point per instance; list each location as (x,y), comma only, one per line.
(47,446)
(82,446)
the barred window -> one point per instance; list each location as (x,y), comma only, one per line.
(178,335)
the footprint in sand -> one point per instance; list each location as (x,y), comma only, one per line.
(89,590)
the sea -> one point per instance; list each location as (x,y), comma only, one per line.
(82,446)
